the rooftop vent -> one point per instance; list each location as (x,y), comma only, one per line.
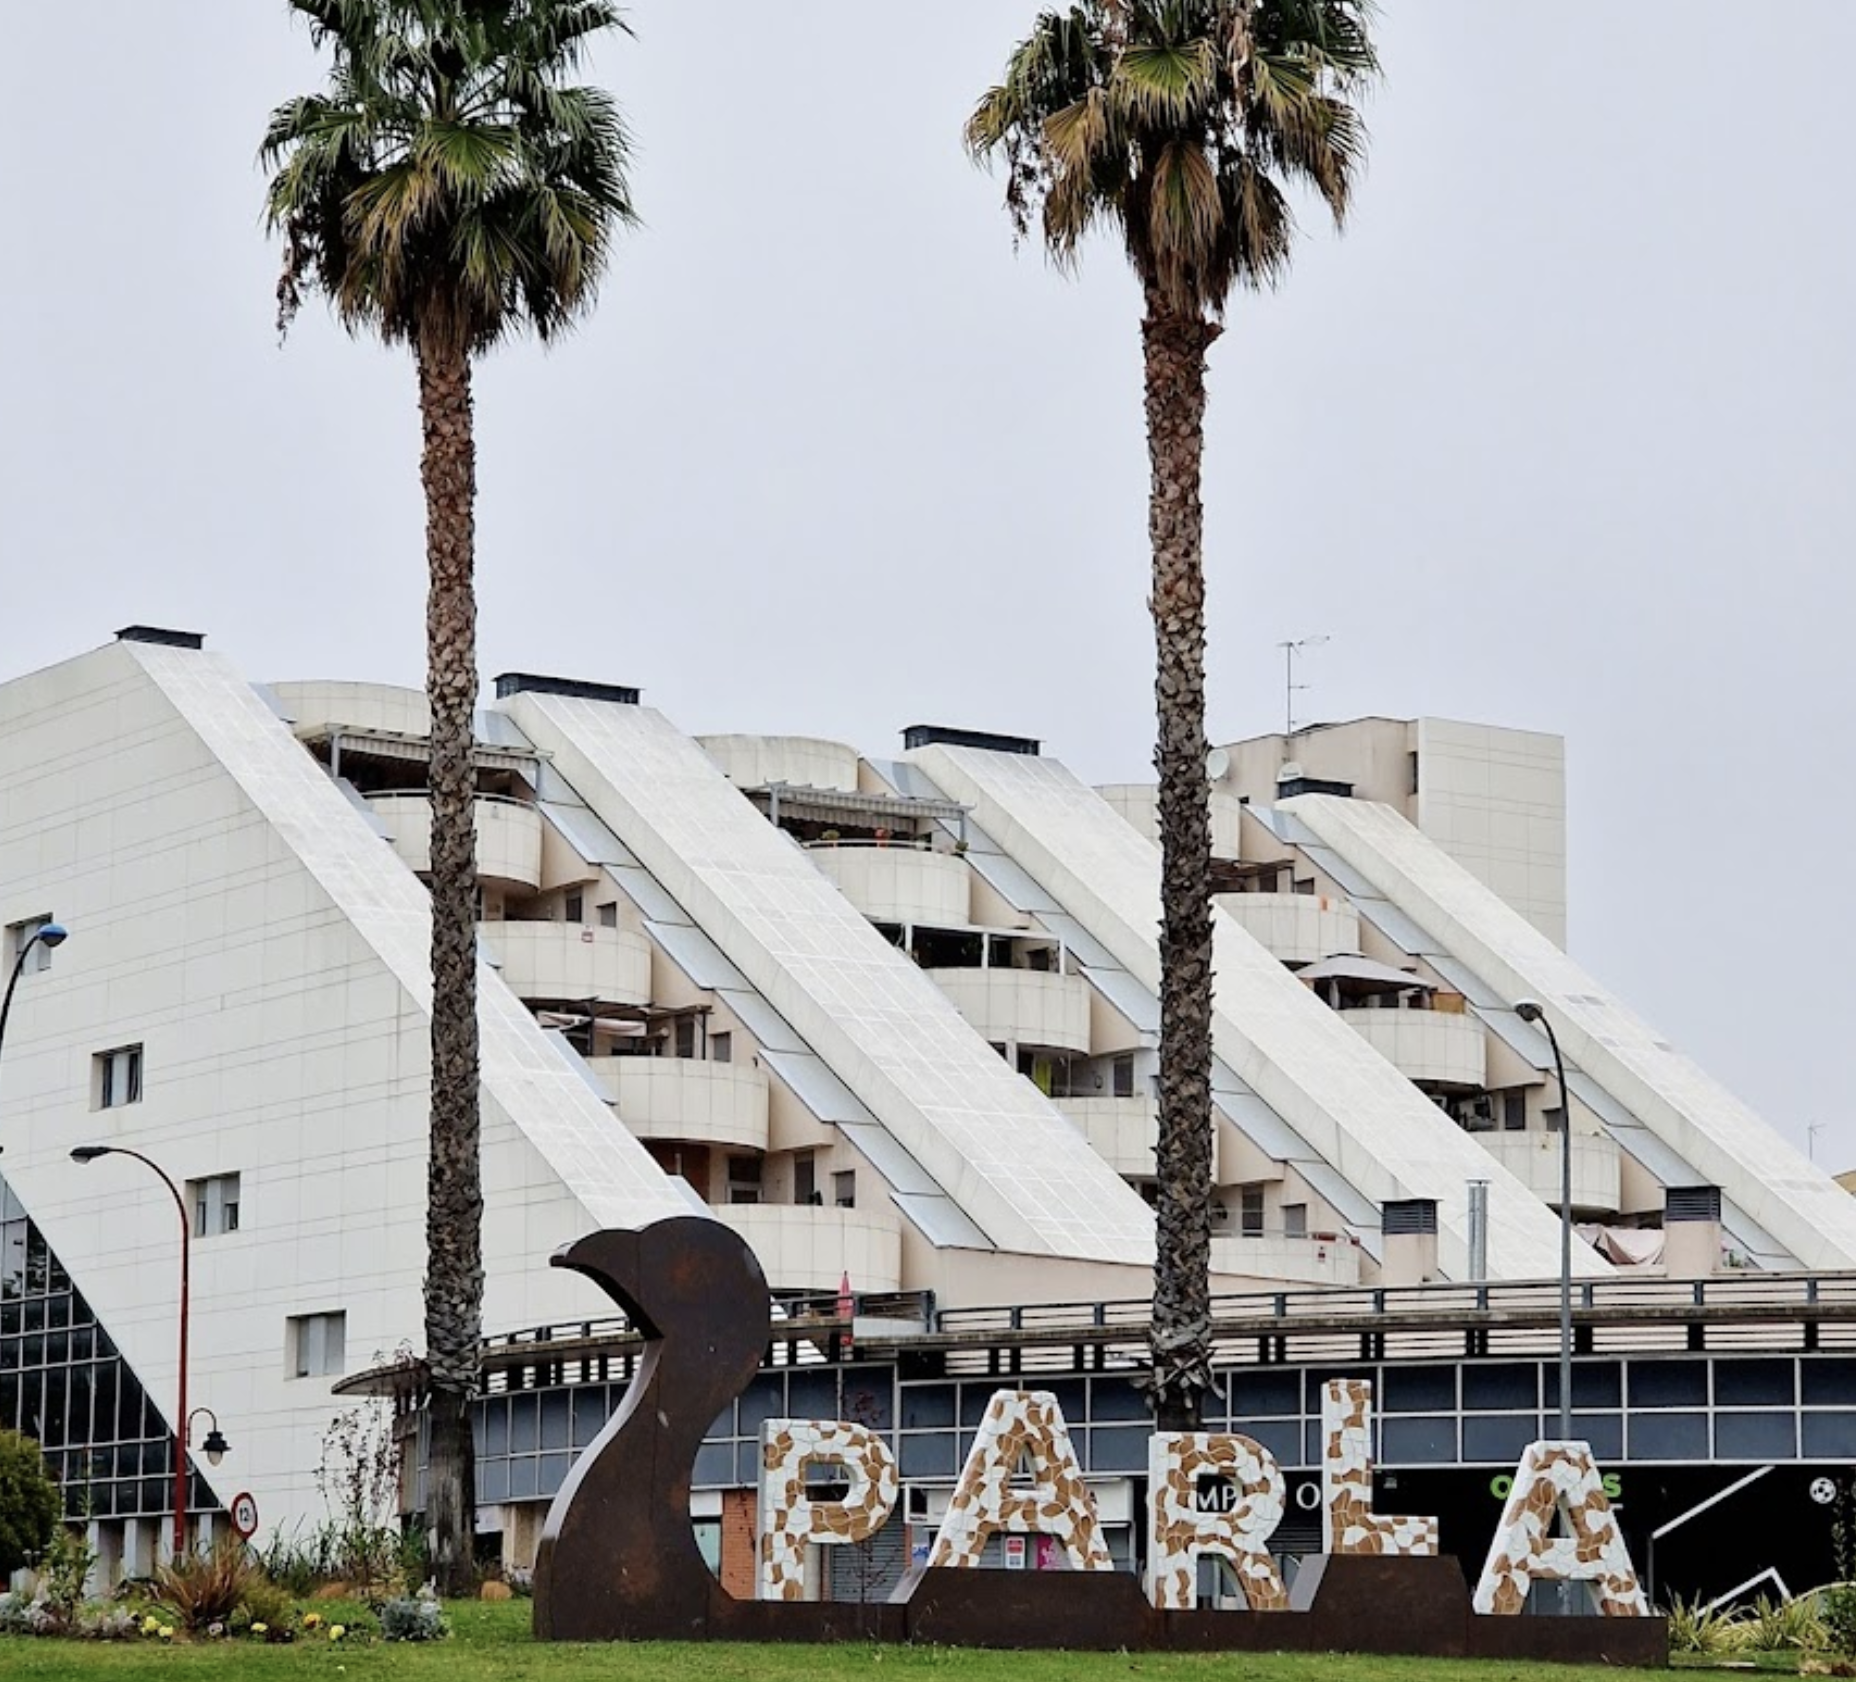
(928,735)
(1691,1203)
(1292,780)
(166,638)
(530,683)
(1409,1217)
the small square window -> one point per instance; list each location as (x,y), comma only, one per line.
(609,914)
(1124,1077)
(318,1344)
(1295,1220)
(844,1189)
(215,1205)
(686,1036)
(722,1048)
(575,906)
(118,1077)
(1250,1211)
(20,936)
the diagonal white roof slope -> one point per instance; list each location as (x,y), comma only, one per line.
(1357,1112)
(1024,1174)
(607,1170)
(1724,1141)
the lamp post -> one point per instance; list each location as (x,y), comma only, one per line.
(183,1419)
(50,936)
(1530,1010)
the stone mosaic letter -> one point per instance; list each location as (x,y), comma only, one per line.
(1021,1426)
(1348,1523)
(1556,1478)
(1178,1533)
(788,1519)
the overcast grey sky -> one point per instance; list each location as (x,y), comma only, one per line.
(1556,436)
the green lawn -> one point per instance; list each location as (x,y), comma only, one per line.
(492,1642)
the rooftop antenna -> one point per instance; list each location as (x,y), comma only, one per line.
(1289,686)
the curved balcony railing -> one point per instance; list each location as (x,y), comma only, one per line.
(1296,928)
(1021,1006)
(678,1100)
(891,883)
(508,835)
(562,961)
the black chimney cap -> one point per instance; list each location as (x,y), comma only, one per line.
(532,683)
(165,638)
(927,735)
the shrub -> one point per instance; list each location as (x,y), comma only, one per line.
(263,1602)
(29,1504)
(1837,1610)
(416,1617)
(1694,1628)
(207,1588)
(13,1607)
(1785,1626)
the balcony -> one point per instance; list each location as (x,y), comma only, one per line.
(802,761)
(1295,928)
(898,884)
(1020,1006)
(565,961)
(1277,1258)
(1122,1131)
(681,1101)
(316,708)
(508,836)
(1533,1157)
(1434,1048)
(803,1247)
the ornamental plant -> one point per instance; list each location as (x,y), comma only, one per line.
(28,1503)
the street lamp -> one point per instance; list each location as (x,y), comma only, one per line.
(48,935)
(213,1445)
(1531,1010)
(90,1153)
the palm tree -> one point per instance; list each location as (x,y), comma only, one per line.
(1178,126)
(449,189)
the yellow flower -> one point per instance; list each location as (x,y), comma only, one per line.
(260,1629)
(167,1632)
(151,1626)
(312,1620)
(337,1631)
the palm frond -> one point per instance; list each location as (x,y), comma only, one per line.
(1184,125)
(450,179)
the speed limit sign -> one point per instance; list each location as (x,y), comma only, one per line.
(245,1515)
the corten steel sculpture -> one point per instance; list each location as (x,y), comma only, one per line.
(619,1560)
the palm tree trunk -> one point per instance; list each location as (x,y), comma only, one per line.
(1175,348)
(454,1189)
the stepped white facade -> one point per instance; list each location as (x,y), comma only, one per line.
(893,1018)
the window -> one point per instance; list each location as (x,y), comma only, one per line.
(1250,1211)
(1415,784)
(1124,1077)
(686,1036)
(805,1178)
(575,908)
(1514,1110)
(609,914)
(844,1189)
(119,1077)
(215,1205)
(744,1174)
(20,937)
(1295,1220)
(722,1047)
(318,1344)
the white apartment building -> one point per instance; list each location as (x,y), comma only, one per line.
(893,1018)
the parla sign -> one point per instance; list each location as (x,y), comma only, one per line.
(1208,1495)
(619,1558)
